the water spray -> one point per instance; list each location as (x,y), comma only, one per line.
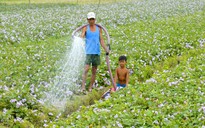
(66,83)
(108,46)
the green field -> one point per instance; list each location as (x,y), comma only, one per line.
(164,41)
(58,1)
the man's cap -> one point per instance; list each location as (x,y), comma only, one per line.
(91,15)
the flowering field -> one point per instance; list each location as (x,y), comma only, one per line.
(163,39)
(58,1)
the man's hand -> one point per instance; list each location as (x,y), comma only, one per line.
(107,52)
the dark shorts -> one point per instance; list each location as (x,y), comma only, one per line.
(92,59)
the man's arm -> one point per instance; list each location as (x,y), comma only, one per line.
(102,42)
(83,32)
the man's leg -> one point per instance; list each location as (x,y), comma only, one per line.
(94,70)
(86,69)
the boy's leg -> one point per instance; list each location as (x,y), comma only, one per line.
(94,70)
(86,69)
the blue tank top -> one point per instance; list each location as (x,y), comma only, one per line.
(92,41)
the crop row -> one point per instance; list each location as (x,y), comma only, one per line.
(34,23)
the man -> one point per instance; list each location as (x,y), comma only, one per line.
(93,39)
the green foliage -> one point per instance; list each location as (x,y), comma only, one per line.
(82,100)
(31,65)
(152,104)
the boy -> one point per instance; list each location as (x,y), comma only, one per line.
(122,73)
(121,77)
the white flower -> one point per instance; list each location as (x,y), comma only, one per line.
(78,117)
(5,110)
(119,124)
(103,74)
(155,112)
(19,104)
(69,92)
(121,95)
(23,100)
(146,98)
(116,116)
(50,114)
(13,100)
(166,119)
(107,82)
(188,45)
(160,105)
(18,119)
(151,80)
(6,88)
(34,111)
(173,83)
(202,109)
(45,125)
(58,115)
(156,122)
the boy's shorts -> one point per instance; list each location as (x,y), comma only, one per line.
(93,59)
(121,85)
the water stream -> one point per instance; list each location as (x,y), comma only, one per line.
(67,81)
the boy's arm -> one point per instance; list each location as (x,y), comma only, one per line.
(83,32)
(127,77)
(116,76)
